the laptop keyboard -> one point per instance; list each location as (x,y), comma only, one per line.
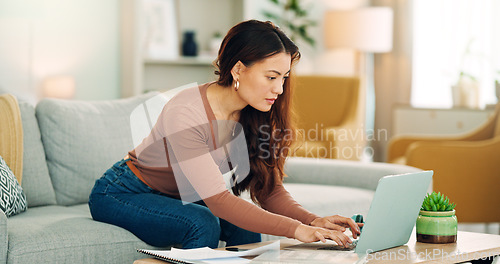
(352,246)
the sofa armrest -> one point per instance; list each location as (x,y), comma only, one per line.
(3,237)
(340,172)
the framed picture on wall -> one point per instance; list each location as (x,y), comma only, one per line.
(161,32)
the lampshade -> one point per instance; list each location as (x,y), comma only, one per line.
(62,87)
(366,29)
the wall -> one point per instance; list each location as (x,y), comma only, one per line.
(60,37)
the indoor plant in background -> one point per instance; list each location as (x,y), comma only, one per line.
(437,222)
(293,18)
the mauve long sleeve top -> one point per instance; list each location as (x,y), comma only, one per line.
(181,158)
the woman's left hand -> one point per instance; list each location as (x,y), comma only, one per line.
(339,223)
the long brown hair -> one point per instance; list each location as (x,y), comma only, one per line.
(269,135)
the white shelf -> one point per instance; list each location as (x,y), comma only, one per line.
(191,61)
(436,121)
(139,74)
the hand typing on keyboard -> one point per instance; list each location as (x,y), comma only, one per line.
(308,234)
(339,223)
(358,220)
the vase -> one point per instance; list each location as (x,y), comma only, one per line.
(215,44)
(437,227)
(189,46)
(466,93)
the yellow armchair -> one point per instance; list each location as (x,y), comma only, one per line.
(466,167)
(330,117)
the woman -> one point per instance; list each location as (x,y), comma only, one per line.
(170,188)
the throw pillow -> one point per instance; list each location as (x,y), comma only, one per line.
(12,198)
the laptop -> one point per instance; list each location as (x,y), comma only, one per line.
(392,215)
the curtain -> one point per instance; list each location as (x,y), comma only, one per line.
(454,37)
(392,74)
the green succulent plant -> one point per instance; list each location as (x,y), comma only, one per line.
(437,202)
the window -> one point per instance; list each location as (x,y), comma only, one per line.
(453,36)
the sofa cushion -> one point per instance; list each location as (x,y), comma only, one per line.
(68,235)
(36,180)
(327,200)
(82,139)
(12,198)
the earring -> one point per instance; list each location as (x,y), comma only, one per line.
(236,86)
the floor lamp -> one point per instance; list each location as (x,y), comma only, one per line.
(367,30)
(62,87)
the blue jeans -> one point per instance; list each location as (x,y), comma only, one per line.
(122,199)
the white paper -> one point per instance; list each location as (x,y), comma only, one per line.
(211,256)
(201,253)
(231,260)
(260,250)
(208,253)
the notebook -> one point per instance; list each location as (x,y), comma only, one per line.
(392,215)
(160,254)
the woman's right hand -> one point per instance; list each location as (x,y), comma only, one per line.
(308,234)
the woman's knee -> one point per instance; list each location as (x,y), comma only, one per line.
(207,221)
(205,229)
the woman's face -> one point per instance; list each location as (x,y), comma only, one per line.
(262,82)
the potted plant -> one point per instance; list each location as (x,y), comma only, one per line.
(437,222)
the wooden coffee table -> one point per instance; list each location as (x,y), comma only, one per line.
(469,246)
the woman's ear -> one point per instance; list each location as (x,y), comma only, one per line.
(237,69)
